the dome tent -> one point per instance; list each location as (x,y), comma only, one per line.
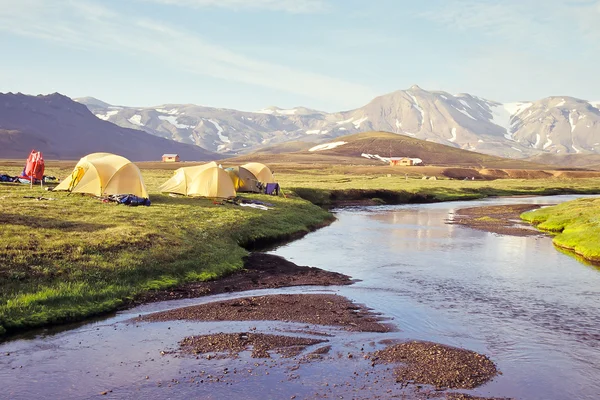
(205,180)
(262,173)
(104,174)
(243,180)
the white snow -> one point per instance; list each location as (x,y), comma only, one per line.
(346,121)
(313,132)
(278,111)
(572,121)
(453,138)
(537,140)
(222,147)
(398,124)
(418,107)
(547,144)
(503,114)
(466,113)
(431,123)
(595,104)
(108,114)
(327,146)
(443,97)
(576,149)
(172,111)
(519,150)
(464,103)
(173,121)
(375,157)
(562,103)
(408,133)
(342,129)
(479,141)
(220,130)
(360,121)
(136,120)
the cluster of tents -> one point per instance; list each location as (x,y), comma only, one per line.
(103,174)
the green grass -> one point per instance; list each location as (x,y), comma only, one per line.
(72,257)
(576,225)
(325,189)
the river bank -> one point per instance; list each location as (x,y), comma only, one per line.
(65,258)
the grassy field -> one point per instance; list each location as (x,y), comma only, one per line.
(575,223)
(323,188)
(70,257)
(74,256)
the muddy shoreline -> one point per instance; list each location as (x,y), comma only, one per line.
(260,271)
(502,220)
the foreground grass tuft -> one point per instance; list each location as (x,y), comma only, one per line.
(576,225)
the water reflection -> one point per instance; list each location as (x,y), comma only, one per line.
(533,309)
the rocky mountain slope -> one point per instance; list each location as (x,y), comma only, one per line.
(64,129)
(560,125)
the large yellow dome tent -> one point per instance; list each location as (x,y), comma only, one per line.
(205,180)
(103,174)
(262,173)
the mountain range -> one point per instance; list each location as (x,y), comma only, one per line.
(64,129)
(558,124)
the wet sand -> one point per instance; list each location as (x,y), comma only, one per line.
(503,220)
(319,309)
(261,271)
(231,344)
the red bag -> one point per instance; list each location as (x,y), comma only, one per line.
(35,166)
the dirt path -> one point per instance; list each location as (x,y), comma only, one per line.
(504,220)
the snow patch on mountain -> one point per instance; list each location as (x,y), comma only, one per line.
(417,106)
(572,122)
(503,115)
(220,131)
(173,121)
(453,138)
(359,121)
(108,114)
(327,146)
(465,113)
(375,157)
(136,120)
(172,111)
(346,121)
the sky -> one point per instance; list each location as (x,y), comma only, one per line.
(331,55)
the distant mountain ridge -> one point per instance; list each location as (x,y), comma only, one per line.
(559,125)
(64,129)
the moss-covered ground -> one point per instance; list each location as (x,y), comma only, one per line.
(576,225)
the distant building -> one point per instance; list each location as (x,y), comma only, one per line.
(404,161)
(170,158)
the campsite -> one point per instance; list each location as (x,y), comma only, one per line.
(299,199)
(84,253)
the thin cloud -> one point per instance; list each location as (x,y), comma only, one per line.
(89,25)
(291,6)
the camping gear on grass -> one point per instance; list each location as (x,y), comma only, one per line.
(243,180)
(205,180)
(129,200)
(102,174)
(272,189)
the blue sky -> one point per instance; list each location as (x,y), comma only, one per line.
(331,55)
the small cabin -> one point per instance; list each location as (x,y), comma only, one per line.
(405,161)
(170,158)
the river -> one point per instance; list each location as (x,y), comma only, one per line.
(530,308)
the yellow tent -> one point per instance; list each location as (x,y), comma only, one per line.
(103,174)
(261,172)
(206,180)
(243,180)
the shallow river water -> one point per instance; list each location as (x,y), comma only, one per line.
(533,310)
